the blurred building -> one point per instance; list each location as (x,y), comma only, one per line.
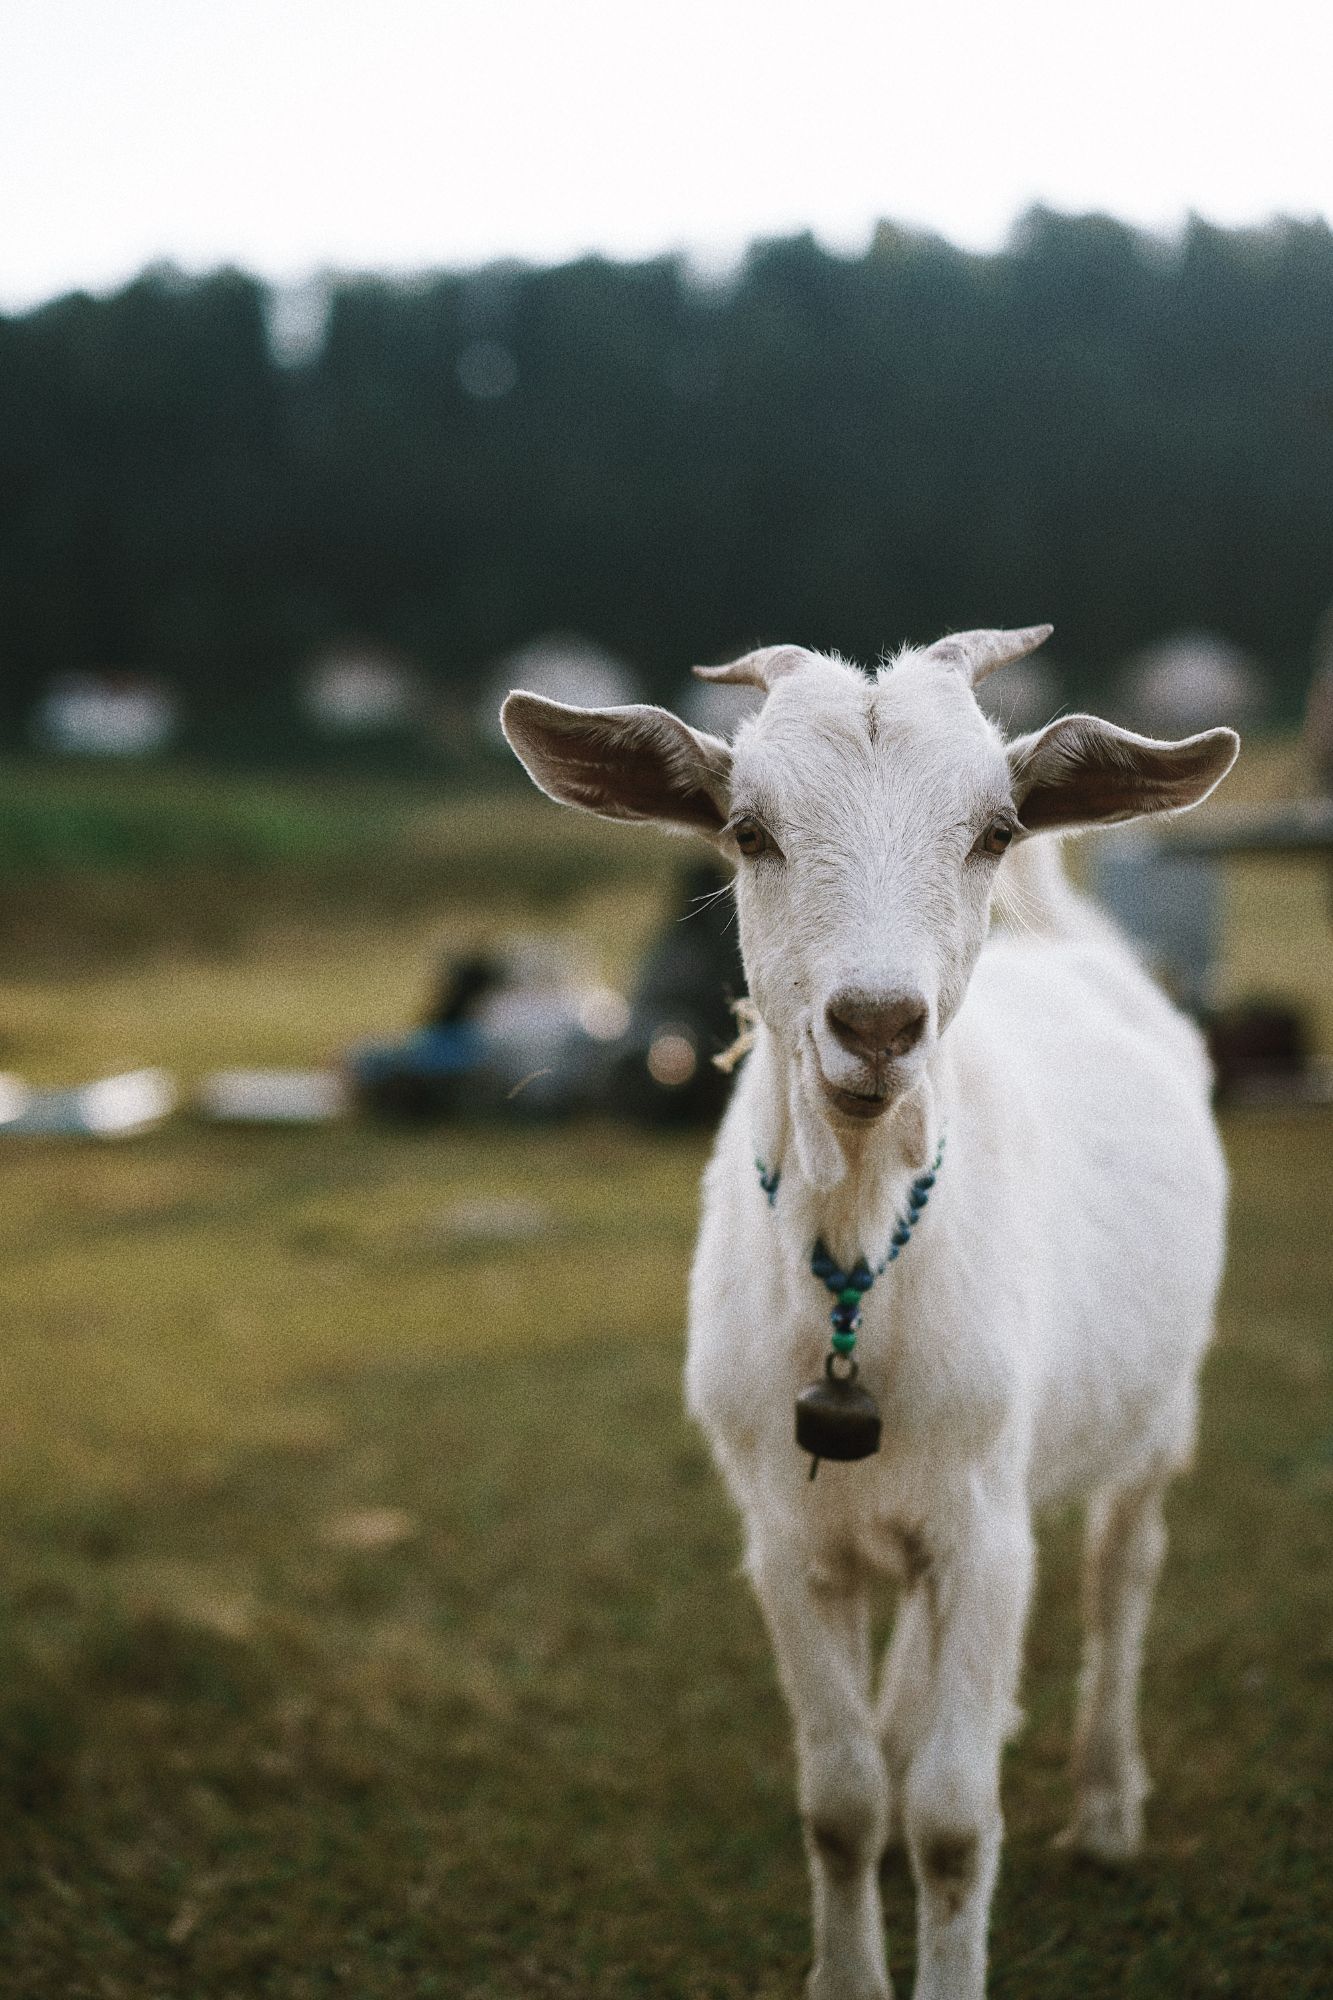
(297,318)
(106,715)
(562,667)
(1190,681)
(359,691)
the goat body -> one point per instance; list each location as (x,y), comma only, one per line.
(1039,1339)
(1040,1336)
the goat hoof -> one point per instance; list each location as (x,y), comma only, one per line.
(1107,1826)
(821,1985)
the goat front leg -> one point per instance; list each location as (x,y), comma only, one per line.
(903,1695)
(1126,1540)
(821,1638)
(977,1591)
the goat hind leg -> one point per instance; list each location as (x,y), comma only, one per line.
(1126,1540)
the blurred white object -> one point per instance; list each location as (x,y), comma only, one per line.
(110,1108)
(672,1058)
(273,1096)
(15,1098)
(106,715)
(360,693)
(604,1014)
(538,1003)
(563,667)
(1190,681)
(125,1103)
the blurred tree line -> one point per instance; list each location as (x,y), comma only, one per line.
(1121,434)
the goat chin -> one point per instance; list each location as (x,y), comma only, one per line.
(833,1137)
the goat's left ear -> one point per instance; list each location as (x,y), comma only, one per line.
(635,763)
(1081,771)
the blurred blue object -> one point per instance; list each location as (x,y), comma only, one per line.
(419,1075)
(454,1050)
(1170,904)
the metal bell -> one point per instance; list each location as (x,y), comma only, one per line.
(835,1418)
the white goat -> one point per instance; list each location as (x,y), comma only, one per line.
(1041,1334)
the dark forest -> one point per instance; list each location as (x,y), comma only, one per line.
(1122,434)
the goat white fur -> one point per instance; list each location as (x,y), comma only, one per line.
(1041,1335)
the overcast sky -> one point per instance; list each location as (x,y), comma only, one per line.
(286,135)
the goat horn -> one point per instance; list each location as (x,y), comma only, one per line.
(763,669)
(979,653)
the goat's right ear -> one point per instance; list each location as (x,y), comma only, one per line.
(635,763)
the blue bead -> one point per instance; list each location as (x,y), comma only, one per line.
(861,1276)
(820,1262)
(890,1256)
(924,1182)
(846,1318)
(901,1235)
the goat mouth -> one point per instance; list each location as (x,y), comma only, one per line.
(857,1106)
(854,1103)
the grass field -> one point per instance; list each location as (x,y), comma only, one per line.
(371,1621)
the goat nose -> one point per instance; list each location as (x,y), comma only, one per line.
(877,1024)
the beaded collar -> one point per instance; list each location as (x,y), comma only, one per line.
(834,1417)
(849,1286)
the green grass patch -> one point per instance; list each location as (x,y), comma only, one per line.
(100,866)
(55,817)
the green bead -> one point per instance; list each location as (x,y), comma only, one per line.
(843,1343)
(851,1297)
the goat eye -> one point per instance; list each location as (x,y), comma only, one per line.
(750,836)
(996,837)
